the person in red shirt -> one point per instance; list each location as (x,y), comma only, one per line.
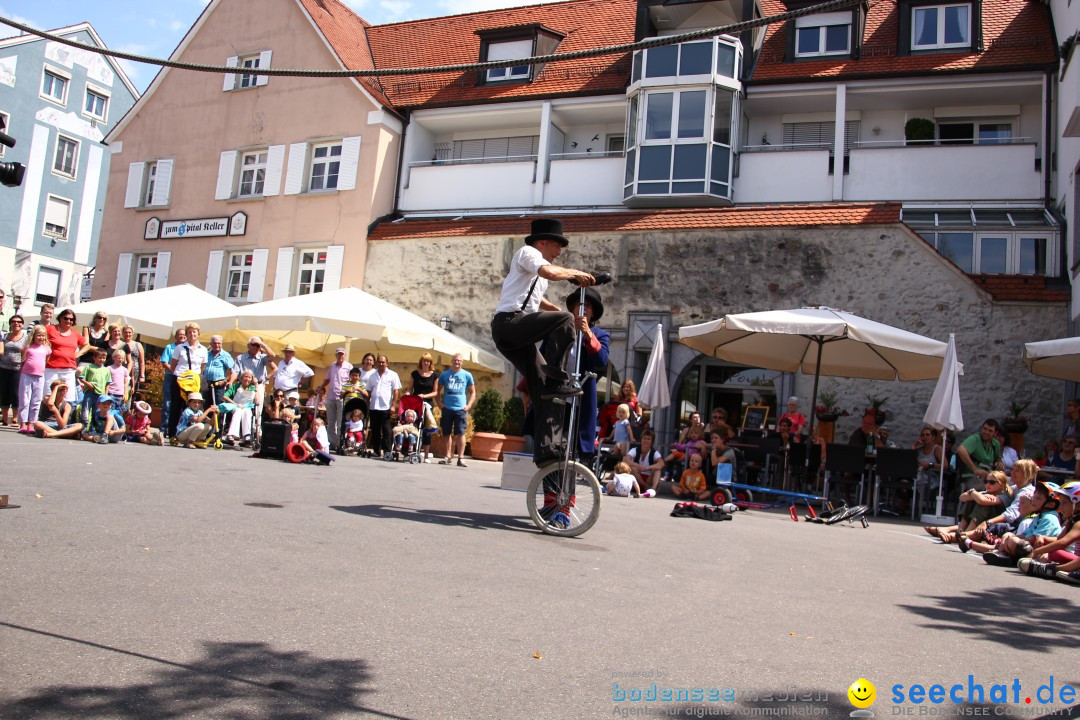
(68,344)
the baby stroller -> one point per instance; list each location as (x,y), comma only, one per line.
(348,445)
(410,446)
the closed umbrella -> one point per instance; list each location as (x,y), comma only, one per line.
(818,341)
(1058,359)
(944,413)
(654,392)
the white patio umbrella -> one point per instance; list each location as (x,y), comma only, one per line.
(818,341)
(945,414)
(1058,359)
(155,313)
(654,393)
(318,323)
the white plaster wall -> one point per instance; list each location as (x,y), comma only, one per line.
(783,176)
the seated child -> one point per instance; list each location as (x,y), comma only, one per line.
(693,443)
(354,387)
(1046,522)
(54,417)
(979,506)
(138,425)
(720,453)
(316,442)
(621,433)
(406,433)
(354,429)
(95,381)
(623,483)
(192,426)
(692,484)
(106,425)
(1062,554)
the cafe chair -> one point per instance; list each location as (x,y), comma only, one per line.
(845,465)
(894,465)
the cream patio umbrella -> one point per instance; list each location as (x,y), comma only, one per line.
(1059,359)
(155,313)
(318,323)
(945,414)
(818,341)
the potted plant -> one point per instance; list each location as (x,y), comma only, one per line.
(919,131)
(828,407)
(876,406)
(1016,422)
(440,444)
(488,417)
(514,411)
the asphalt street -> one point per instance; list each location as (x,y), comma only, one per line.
(144,582)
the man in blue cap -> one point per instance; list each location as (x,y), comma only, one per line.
(523,318)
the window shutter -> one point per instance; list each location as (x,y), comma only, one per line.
(275,158)
(161,272)
(335,257)
(294,177)
(283,272)
(57,212)
(257,281)
(264,62)
(123,274)
(213,272)
(226,175)
(162,183)
(134,184)
(350,162)
(468,149)
(230,78)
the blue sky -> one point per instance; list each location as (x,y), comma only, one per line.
(155,27)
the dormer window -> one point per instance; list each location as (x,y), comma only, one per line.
(823,34)
(935,27)
(515,43)
(509,50)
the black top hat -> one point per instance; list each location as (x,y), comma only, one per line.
(592,297)
(546,229)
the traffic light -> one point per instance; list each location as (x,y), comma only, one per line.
(11,173)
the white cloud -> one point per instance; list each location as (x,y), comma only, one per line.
(177,26)
(7,30)
(395,9)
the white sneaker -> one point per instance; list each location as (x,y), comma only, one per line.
(427,460)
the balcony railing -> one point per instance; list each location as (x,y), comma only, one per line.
(587,155)
(473,161)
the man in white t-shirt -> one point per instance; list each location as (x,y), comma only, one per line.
(524,318)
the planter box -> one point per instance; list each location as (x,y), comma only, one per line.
(517,471)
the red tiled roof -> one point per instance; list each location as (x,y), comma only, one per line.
(1020,288)
(347,34)
(1016,34)
(696,219)
(454,40)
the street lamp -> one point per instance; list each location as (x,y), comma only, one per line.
(446,323)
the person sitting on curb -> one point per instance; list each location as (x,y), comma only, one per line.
(138,426)
(316,442)
(107,424)
(55,413)
(192,427)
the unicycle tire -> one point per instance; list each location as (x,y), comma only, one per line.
(552,511)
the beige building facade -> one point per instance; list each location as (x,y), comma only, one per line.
(250,186)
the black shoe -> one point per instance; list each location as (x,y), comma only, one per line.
(559,390)
(543,460)
(999,559)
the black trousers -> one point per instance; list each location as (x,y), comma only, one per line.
(379,430)
(516,335)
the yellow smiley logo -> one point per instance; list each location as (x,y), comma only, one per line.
(862,693)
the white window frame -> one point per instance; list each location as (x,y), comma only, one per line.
(104,95)
(676,107)
(146,196)
(819,23)
(145,267)
(258,184)
(247,80)
(7,123)
(241,270)
(324,163)
(313,283)
(46,270)
(940,35)
(1052,254)
(1011,254)
(57,73)
(514,72)
(67,228)
(60,139)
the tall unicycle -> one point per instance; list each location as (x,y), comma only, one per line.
(564,496)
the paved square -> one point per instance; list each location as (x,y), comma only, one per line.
(148,582)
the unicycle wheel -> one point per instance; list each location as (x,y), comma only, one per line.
(564,512)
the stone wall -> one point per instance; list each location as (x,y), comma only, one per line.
(885,273)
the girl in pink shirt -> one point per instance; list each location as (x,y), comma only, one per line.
(120,377)
(32,378)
